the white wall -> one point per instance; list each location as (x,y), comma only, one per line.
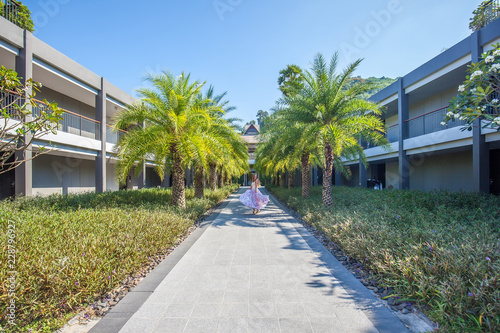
(442,172)
(62,175)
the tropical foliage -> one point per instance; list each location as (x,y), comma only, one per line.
(377,83)
(438,251)
(487,11)
(176,127)
(72,250)
(21,16)
(322,113)
(16,137)
(479,95)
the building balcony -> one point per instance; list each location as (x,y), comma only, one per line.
(11,11)
(429,122)
(71,123)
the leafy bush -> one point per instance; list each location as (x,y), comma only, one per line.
(440,249)
(23,17)
(72,249)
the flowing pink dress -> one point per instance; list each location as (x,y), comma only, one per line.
(254,199)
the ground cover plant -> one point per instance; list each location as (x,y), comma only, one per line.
(72,249)
(440,250)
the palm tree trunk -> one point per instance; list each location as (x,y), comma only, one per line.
(327,175)
(220,179)
(226,178)
(290,178)
(178,189)
(306,180)
(213,176)
(199,184)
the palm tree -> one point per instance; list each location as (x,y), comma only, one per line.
(168,126)
(290,79)
(332,115)
(286,147)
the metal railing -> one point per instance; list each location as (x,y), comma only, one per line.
(113,135)
(392,134)
(491,11)
(6,102)
(429,123)
(73,123)
(11,11)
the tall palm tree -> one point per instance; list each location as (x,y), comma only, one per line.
(332,115)
(168,126)
(221,103)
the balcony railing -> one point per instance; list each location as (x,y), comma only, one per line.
(11,11)
(71,122)
(113,135)
(6,102)
(393,133)
(74,123)
(429,123)
(491,11)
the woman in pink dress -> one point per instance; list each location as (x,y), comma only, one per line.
(253,198)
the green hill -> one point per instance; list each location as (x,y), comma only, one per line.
(379,83)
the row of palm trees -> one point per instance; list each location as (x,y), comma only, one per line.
(177,126)
(319,120)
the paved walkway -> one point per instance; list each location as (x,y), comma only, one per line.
(241,272)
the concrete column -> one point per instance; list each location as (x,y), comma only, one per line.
(24,69)
(403,114)
(100,161)
(480,148)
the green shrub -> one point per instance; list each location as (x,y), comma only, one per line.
(72,249)
(439,249)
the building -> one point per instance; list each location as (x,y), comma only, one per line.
(80,156)
(424,154)
(251,137)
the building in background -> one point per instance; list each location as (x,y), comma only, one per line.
(251,137)
(80,156)
(424,154)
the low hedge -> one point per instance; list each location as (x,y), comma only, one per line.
(72,249)
(439,249)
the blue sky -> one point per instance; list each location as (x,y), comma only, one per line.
(240,46)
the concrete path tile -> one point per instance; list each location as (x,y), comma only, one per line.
(263,325)
(234,310)
(169,325)
(232,325)
(139,325)
(295,325)
(201,325)
(241,272)
(262,310)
